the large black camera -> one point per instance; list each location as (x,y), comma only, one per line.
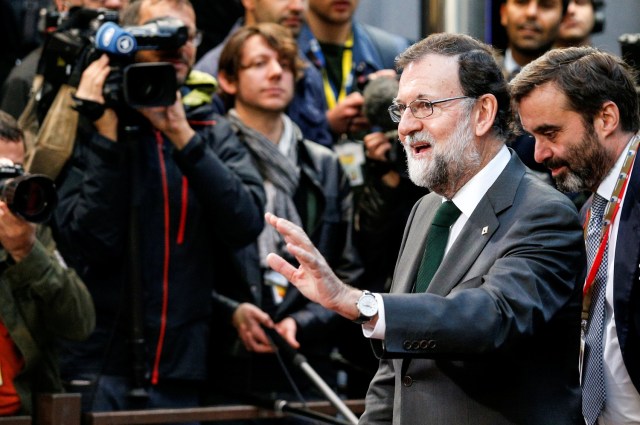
(69,41)
(30,196)
(140,84)
(85,34)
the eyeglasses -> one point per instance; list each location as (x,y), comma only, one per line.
(195,38)
(262,62)
(420,108)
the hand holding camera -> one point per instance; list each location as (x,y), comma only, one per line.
(24,199)
(17,235)
(91,89)
(171,121)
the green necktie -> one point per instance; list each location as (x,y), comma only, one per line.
(437,237)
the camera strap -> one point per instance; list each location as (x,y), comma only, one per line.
(335,94)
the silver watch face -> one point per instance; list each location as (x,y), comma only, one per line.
(368,305)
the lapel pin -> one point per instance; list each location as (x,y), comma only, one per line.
(485,230)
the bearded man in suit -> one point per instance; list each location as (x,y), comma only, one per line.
(581,106)
(494,338)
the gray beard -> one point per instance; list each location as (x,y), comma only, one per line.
(451,159)
(588,163)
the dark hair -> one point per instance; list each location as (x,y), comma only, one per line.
(478,71)
(588,77)
(276,36)
(131,14)
(9,129)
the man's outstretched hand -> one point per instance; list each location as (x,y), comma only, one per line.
(313,278)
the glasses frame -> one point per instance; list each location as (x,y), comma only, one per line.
(195,38)
(396,110)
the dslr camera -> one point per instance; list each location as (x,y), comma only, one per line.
(29,196)
(85,34)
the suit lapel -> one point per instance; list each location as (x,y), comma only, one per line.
(474,236)
(627,258)
(478,230)
(413,246)
(467,247)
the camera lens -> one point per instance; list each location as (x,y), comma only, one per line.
(32,197)
(150,84)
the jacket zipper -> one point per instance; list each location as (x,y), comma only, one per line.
(165,266)
(183,210)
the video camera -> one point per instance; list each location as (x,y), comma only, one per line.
(88,33)
(30,196)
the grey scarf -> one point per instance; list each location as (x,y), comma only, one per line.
(281,176)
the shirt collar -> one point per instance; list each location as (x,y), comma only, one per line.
(469,196)
(510,65)
(608,184)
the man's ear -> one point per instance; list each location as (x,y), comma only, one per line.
(227,85)
(485,113)
(607,120)
(503,14)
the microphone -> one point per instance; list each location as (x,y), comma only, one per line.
(283,346)
(378,95)
(114,39)
(301,362)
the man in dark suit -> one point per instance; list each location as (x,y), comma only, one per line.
(582,108)
(495,338)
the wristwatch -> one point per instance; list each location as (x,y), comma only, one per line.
(367,306)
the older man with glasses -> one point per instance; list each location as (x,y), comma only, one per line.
(482,322)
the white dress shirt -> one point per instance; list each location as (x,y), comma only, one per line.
(466,199)
(510,65)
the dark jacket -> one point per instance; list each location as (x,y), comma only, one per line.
(373,49)
(496,337)
(41,300)
(324,203)
(191,205)
(626,276)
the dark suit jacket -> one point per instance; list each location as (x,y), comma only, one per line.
(626,277)
(495,340)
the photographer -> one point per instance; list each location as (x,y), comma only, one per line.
(149,200)
(40,298)
(15,91)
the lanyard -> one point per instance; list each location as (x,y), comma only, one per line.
(331,93)
(609,216)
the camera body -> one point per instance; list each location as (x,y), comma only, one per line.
(30,196)
(140,84)
(85,34)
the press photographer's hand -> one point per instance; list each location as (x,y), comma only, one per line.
(17,236)
(247,319)
(376,146)
(171,121)
(91,88)
(346,116)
